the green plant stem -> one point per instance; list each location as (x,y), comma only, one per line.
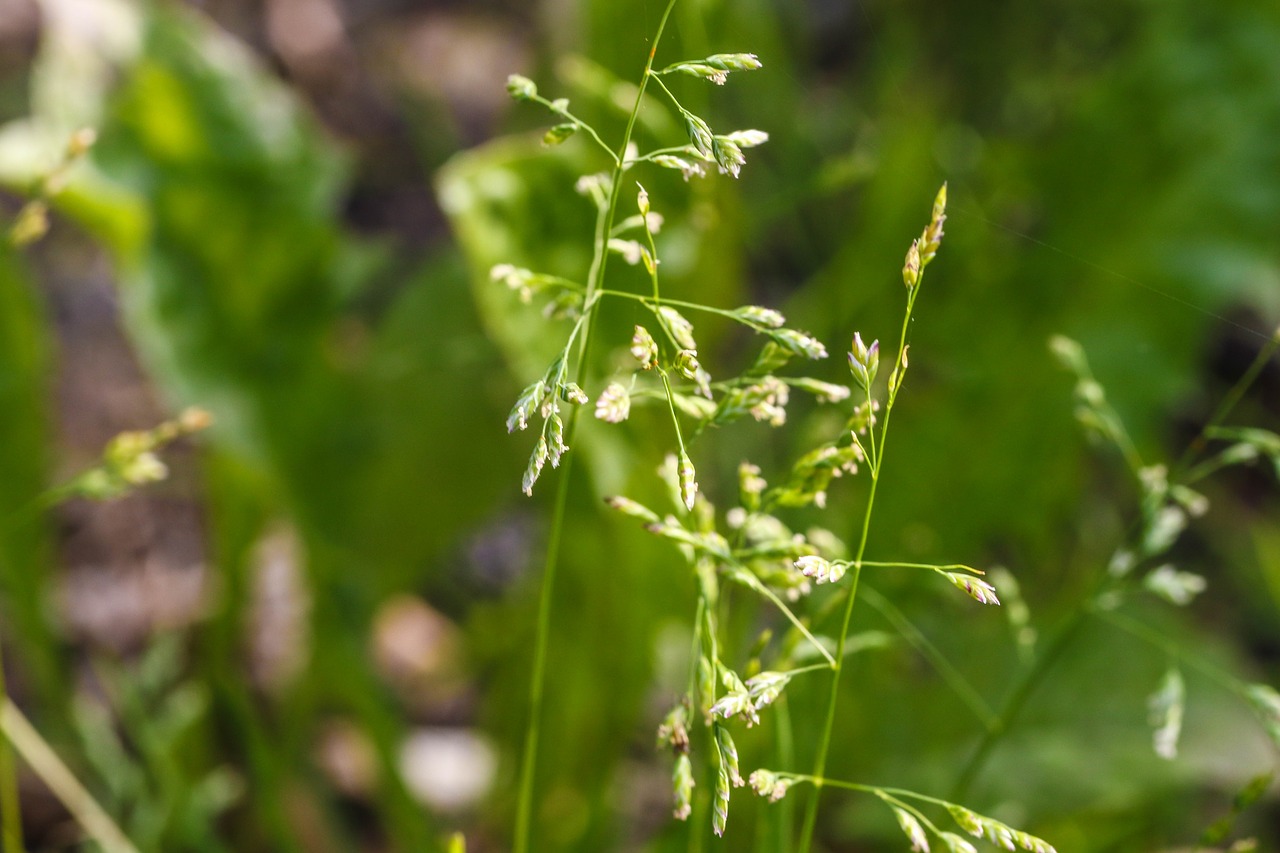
(62,782)
(524,803)
(675,150)
(678,303)
(537,682)
(10,812)
(824,745)
(573,119)
(936,567)
(785,751)
(891,793)
(895,802)
(679,107)
(751,582)
(671,406)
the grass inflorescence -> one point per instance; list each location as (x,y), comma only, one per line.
(748,546)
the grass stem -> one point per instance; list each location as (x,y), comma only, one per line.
(824,745)
(529,763)
(524,805)
(62,782)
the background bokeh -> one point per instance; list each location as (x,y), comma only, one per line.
(315,635)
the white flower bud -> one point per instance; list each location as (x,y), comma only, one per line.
(644,348)
(688,483)
(521,88)
(976,588)
(820,569)
(614,404)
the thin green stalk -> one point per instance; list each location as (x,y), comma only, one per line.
(524,804)
(896,802)
(892,793)
(679,107)
(678,303)
(936,567)
(62,782)
(10,812)
(675,150)
(824,745)
(573,119)
(1212,465)
(785,751)
(751,582)
(537,684)
(671,405)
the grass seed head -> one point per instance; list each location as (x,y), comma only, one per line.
(521,88)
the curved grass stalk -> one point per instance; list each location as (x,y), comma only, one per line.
(912,820)
(524,804)
(744,577)
(62,782)
(936,567)
(862,788)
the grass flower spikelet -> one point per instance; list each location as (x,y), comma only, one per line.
(766,783)
(682,787)
(976,588)
(819,569)
(912,829)
(614,404)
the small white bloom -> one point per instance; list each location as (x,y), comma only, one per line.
(631,251)
(749,138)
(766,783)
(614,404)
(688,480)
(976,588)
(1174,586)
(644,348)
(821,570)
(913,830)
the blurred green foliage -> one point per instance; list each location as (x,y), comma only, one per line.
(1113,176)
